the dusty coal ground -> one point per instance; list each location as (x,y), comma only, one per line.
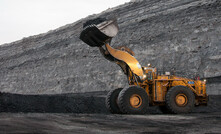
(86,113)
(43,123)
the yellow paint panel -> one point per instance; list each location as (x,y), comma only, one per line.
(127,58)
(160,91)
(163,77)
(178,83)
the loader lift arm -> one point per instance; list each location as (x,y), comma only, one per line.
(124,58)
(100,36)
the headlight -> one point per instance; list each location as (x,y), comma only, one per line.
(143,77)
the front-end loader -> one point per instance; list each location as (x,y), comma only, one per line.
(147,87)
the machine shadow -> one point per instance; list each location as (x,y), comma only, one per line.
(58,103)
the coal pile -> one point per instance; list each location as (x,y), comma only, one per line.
(91,102)
(61,103)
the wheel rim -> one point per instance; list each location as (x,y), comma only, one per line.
(135,101)
(181,100)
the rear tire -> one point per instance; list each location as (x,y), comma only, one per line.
(111,101)
(180,100)
(133,100)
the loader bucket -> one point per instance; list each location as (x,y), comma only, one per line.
(96,35)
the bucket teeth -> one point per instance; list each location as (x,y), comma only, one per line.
(97,35)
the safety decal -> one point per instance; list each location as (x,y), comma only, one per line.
(190,82)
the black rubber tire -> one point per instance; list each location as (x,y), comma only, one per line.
(124,100)
(111,101)
(171,102)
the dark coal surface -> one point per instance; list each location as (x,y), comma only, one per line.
(66,123)
(90,102)
(59,103)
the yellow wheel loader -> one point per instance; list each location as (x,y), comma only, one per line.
(171,93)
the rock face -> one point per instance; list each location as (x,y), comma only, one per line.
(182,36)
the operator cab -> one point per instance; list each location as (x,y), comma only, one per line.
(150,73)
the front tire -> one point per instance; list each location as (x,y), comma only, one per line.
(111,101)
(133,100)
(180,100)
